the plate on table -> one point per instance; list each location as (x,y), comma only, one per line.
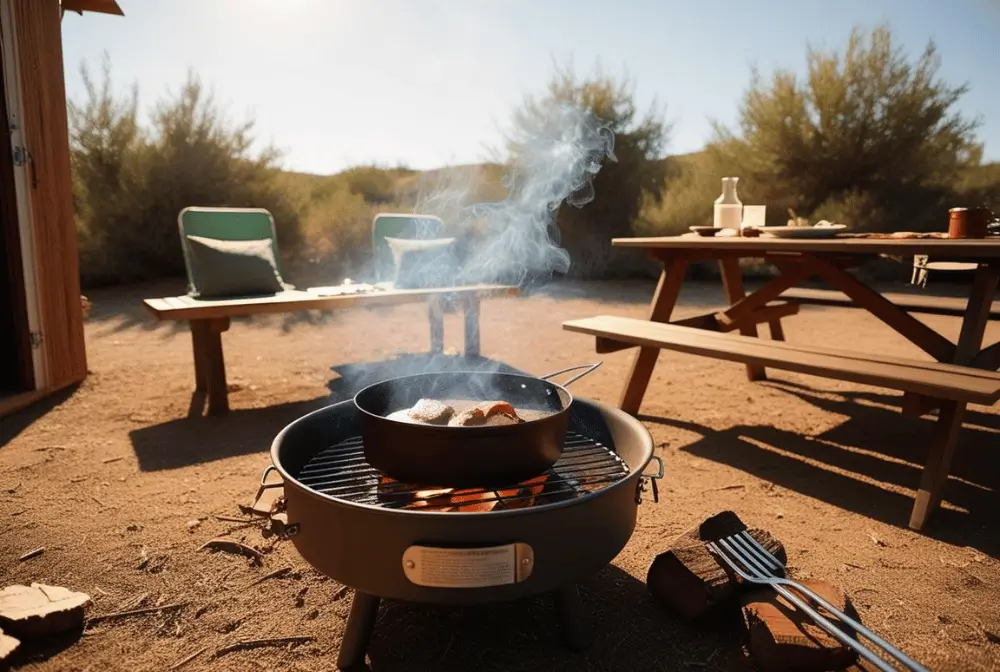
(706,231)
(803,231)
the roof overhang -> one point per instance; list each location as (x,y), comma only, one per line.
(100,6)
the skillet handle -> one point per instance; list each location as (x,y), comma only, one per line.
(590,368)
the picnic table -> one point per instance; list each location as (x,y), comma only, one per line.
(209,318)
(954,375)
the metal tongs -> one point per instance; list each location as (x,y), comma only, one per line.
(754,564)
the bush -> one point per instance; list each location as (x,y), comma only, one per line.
(869,134)
(131,181)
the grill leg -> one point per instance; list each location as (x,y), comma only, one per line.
(569,611)
(435,312)
(472,326)
(360,623)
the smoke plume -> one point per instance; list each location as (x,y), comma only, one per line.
(554,156)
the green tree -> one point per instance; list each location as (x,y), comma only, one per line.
(869,137)
(620,187)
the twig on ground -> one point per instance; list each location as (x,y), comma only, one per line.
(734,486)
(31,554)
(109,460)
(231,546)
(272,575)
(234,519)
(181,663)
(255,643)
(135,612)
(99,502)
(133,602)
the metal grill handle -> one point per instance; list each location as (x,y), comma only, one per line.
(264,485)
(590,368)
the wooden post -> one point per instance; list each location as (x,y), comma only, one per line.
(435,314)
(661,307)
(935,474)
(777,333)
(210,366)
(977,314)
(472,326)
(732,285)
(198,331)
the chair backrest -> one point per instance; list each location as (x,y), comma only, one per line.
(399,226)
(226,224)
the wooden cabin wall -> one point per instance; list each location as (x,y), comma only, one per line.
(46,134)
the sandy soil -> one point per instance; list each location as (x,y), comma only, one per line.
(121,487)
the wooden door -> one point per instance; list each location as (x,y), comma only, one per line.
(37,26)
(16,370)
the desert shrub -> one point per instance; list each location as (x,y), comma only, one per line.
(870,137)
(131,180)
(869,132)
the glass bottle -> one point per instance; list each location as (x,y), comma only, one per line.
(728,206)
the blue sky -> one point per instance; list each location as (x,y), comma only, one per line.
(429,82)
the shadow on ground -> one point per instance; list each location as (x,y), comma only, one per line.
(628,631)
(37,650)
(197,439)
(876,442)
(12,425)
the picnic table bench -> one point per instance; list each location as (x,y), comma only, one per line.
(959,373)
(208,319)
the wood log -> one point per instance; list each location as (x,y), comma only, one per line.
(780,637)
(39,610)
(7,646)
(687,579)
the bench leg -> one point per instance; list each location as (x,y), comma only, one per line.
(777,333)
(935,474)
(210,366)
(472,326)
(435,314)
(732,285)
(198,331)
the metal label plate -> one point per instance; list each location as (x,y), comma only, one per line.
(468,567)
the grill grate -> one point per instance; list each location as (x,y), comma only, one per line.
(341,471)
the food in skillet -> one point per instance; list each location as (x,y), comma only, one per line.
(482,414)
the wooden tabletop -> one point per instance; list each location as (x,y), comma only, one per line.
(190,308)
(936,247)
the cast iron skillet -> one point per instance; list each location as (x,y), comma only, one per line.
(466,457)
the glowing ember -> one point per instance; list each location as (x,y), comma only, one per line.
(462,499)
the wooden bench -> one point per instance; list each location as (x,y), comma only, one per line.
(209,318)
(954,385)
(914,303)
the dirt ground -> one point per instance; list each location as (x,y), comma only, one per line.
(122,487)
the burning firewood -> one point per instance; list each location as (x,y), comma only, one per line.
(462,500)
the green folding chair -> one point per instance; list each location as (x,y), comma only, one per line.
(226,224)
(390,225)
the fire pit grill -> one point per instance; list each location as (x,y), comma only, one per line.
(397,541)
(586,466)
